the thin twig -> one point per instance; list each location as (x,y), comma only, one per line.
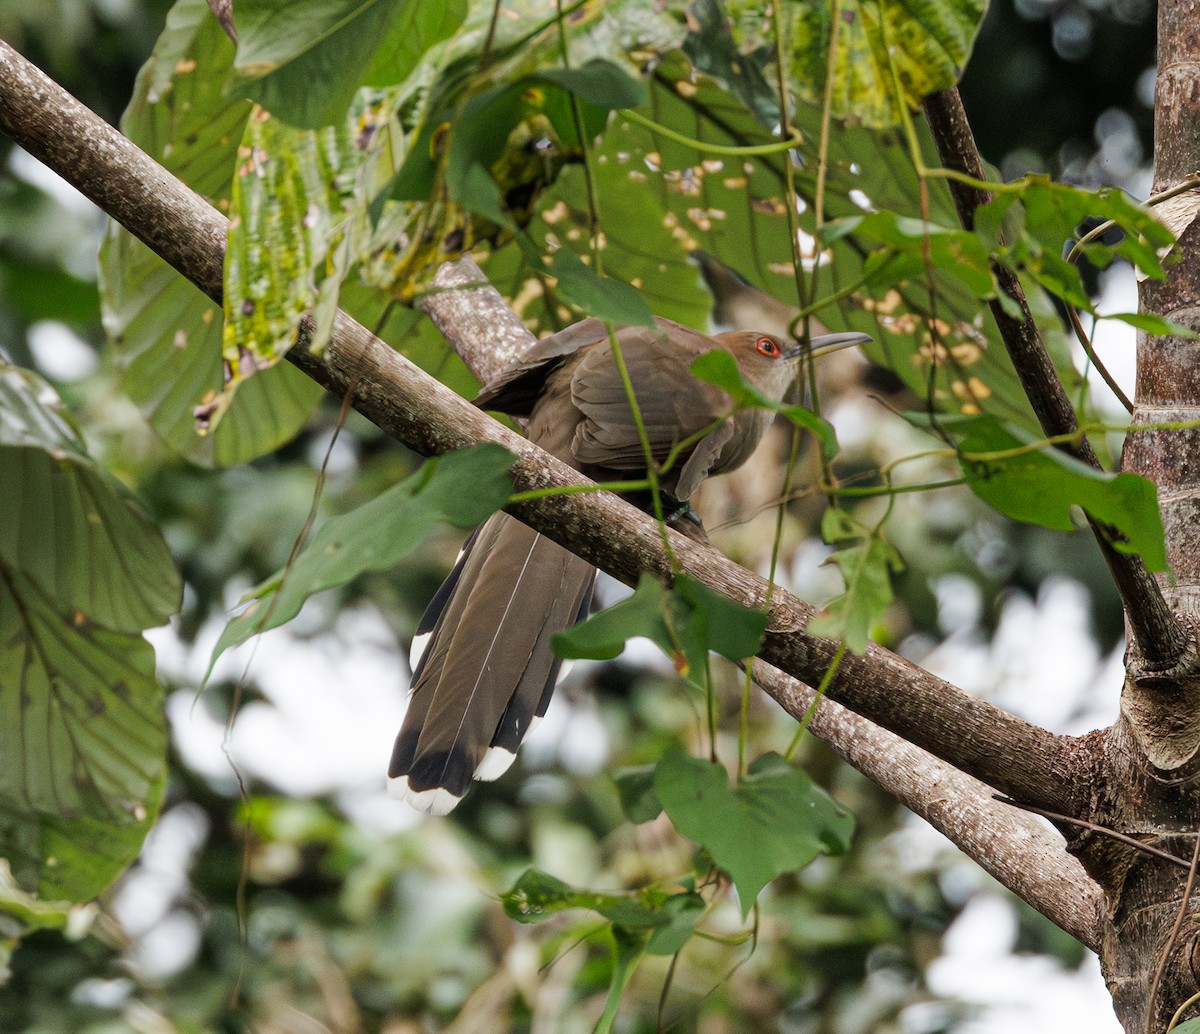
(1094,827)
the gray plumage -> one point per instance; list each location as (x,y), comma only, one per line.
(488,670)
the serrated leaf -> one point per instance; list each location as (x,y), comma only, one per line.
(165,335)
(775,820)
(867,567)
(462,488)
(83,737)
(720,368)
(919,46)
(686,623)
(286,46)
(1005,467)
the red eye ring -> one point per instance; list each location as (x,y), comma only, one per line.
(766,346)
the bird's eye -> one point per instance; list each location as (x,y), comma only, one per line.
(767,347)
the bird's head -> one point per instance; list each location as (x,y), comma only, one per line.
(769,361)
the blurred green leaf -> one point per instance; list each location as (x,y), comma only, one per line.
(461,487)
(628,947)
(775,820)
(1152,324)
(285,47)
(69,527)
(635,787)
(670,917)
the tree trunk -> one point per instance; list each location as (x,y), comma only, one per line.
(1142,777)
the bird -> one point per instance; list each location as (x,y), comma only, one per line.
(486,669)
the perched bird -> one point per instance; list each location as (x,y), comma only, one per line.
(488,670)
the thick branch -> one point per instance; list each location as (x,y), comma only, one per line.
(1022,853)
(1003,751)
(1158,637)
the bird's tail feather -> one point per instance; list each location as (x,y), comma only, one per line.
(488,670)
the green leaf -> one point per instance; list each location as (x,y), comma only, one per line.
(1152,324)
(635,787)
(67,525)
(669,916)
(22,913)
(83,737)
(628,948)
(775,820)
(867,567)
(461,487)
(914,248)
(598,296)
(1042,216)
(1191,1027)
(287,46)
(720,368)
(289,210)
(924,44)
(165,334)
(686,198)
(1040,485)
(686,623)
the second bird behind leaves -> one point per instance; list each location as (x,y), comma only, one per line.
(487,670)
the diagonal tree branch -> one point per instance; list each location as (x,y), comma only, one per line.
(1019,759)
(1160,643)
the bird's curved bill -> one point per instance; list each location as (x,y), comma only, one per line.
(824,344)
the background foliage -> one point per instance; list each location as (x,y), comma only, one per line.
(283,893)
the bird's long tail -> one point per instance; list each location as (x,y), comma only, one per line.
(488,670)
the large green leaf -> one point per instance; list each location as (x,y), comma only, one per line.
(69,527)
(461,487)
(166,335)
(82,730)
(1030,481)
(687,197)
(83,737)
(775,820)
(304,60)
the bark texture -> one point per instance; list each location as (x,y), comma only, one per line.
(1144,776)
